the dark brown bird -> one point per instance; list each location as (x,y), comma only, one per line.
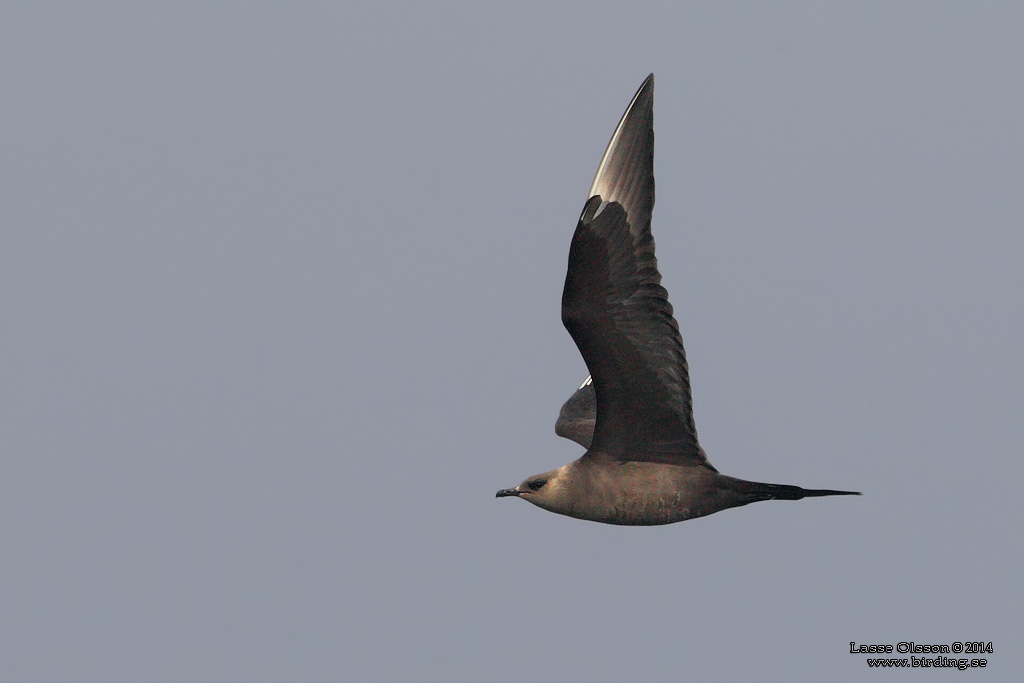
(634,413)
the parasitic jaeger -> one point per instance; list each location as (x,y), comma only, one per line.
(634,413)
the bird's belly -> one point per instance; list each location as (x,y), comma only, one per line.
(652,510)
(641,509)
(647,494)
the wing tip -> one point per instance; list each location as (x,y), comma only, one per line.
(640,105)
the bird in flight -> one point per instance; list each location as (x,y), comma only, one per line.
(634,413)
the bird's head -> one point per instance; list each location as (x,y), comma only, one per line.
(543,490)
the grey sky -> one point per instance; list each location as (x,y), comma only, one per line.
(280,295)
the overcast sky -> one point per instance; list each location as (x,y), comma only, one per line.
(280,288)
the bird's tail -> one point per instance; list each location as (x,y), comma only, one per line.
(753,491)
(787,492)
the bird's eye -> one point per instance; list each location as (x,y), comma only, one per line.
(536,484)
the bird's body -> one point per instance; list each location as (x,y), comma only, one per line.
(634,414)
(639,493)
(631,492)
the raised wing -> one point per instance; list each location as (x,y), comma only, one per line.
(576,419)
(618,313)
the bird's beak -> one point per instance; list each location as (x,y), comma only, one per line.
(506,492)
